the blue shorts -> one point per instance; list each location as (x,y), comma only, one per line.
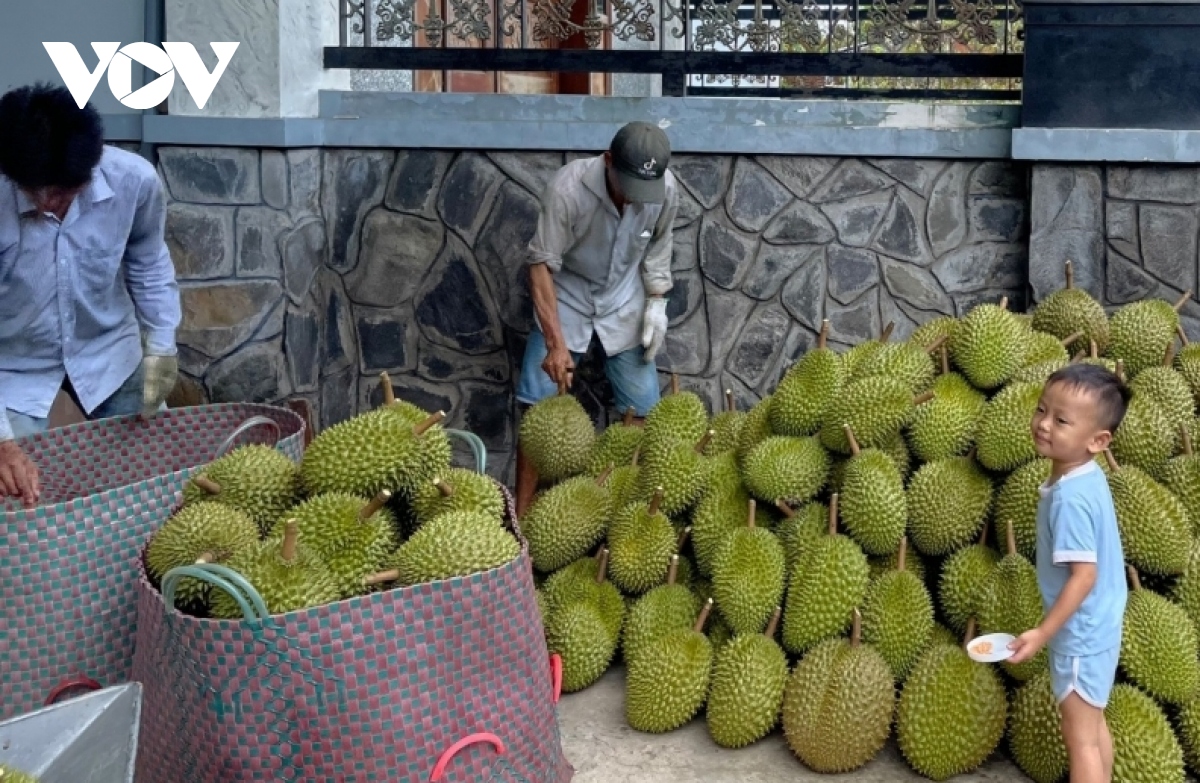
(1091,676)
(634,381)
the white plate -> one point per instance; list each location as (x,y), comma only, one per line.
(999,651)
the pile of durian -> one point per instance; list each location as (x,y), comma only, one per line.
(816,564)
(374,504)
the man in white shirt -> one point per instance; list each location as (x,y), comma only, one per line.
(600,263)
(89,304)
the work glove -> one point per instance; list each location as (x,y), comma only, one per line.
(654,326)
(160,374)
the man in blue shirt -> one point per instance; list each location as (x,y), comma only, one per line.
(85,276)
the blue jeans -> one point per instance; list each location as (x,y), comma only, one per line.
(634,381)
(125,401)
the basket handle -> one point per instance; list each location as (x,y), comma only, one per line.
(556,674)
(74,682)
(477,447)
(246,426)
(224,578)
(452,751)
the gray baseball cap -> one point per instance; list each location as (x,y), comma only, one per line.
(640,154)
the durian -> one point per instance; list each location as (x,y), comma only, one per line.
(806,390)
(617,444)
(791,469)
(260,481)
(1144,747)
(963,579)
(945,426)
(566,521)
(1011,602)
(459,543)
(286,574)
(947,502)
(989,345)
(666,684)
(641,541)
(1158,645)
(898,617)
(1035,730)
(458,490)
(1141,331)
(204,531)
(1072,310)
(874,509)
(748,575)
(748,677)
(557,437)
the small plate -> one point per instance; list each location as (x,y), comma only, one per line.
(998,652)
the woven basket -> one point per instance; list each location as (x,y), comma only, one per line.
(69,567)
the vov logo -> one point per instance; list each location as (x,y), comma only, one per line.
(181,58)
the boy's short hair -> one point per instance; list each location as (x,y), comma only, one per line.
(46,140)
(1111,395)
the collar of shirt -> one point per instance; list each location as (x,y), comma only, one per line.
(95,191)
(594,180)
(1082,470)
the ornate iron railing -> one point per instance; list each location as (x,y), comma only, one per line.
(957,49)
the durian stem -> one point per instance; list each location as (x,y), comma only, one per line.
(729,406)
(1004,303)
(823,335)
(381,577)
(921,399)
(1070,274)
(206,557)
(377,502)
(683,537)
(1094,350)
(1078,357)
(773,624)
(420,429)
(389,393)
(636,453)
(856,628)
(703,444)
(750,518)
(703,618)
(945,359)
(291,537)
(674,383)
(1182,335)
(854,448)
(444,487)
(1111,460)
(1012,537)
(603,477)
(1169,356)
(970,634)
(833,512)
(1187,440)
(1182,300)
(1120,372)
(887,332)
(936,344)
(207,484)
(656,501)
(1134,580)
(562,388)
(1066,341)
(983,536)
(673,571)
(628,422)
(972,452)
(785,509)
(602,569)
(902,558)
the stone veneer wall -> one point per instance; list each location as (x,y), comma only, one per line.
(306,273)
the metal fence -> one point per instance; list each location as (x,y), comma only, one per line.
(922,49)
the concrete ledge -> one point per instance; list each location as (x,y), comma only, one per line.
(1098,145)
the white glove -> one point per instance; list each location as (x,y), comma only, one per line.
(160,374)
(654,326)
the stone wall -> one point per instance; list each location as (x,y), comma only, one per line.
(1130,231)
(308,272)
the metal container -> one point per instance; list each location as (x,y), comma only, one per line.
(87,739)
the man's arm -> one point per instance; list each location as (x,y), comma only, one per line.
(150,273)
(18,475)
(656,268)
(551,239)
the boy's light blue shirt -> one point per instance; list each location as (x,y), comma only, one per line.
(1077,523)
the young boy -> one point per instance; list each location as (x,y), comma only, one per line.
(1080,562)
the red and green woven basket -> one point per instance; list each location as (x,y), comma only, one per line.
(69,568)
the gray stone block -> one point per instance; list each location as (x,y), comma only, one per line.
(852,324)
(775,264)
(687,295)
(484,410)
(200,240)
(1066,223)
(339,344)
(851,272)
(274,179)
(256,373)
(452,306)
(706,176)
(800,224)
(304,182)
(727,314)
(999,178)
(755,352)
(467,194)
(397,251)
(913,173)
(725,252)
(211,175)
(304,253)
(804,293)
(901,236)
(915,286)
(218,317)
(338,398)
(353,184)
(415,181)
(1121,227)
(1168,240)
(259,231)
(851,178)
(857,219)
(438,364)
(891,312)
(996,219)
(502,251)
(387,339)
(531,170)
(986,265)
(688,210)
(799,341)
(1125,281)
(301,342)
(799,174)
(1170,184)
(684,248)
(687,346)
(754,197)
(946,218)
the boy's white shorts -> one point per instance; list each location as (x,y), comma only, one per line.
(1091,676)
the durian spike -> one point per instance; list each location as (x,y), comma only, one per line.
(921,399)
(1004,303)
(444,487)
(389,393)
(833,511)
(376,503)
(291,537)
(1120,373)
(1187,440)
(602,569)
(381,577)
(856,628)
(729,405)
(603,477)
(785,509)
(902,558)
(674,383)
(773,624)
(207,484)
(656,501)
(1134,580)
(854,447)
(1182,335)
(823,335)
(936,344)
(703,618)
(887,332)
(1111,460)
(1070,274)
(945,359)
(1169,356)
(750,517)
(970,634)
(673,571)
(703,442)
(683,537)
(628,421)
(1064,342)
(1182,300)
(636,453)
(420,429)
(1012,538)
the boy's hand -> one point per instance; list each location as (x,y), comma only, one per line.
(1027,645)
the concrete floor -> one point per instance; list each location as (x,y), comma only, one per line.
(603,749)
